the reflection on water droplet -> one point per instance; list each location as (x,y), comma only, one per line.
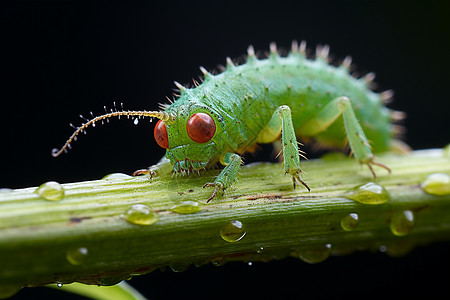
(8,290)
(232,231)
(260,250)
(113,176)
(314,255)
(369,193)
(180,266)
(59,284)
(51,190)
(402,222)
(141,214)
(250,263)
(136,121)
(77,256)
(437,184)
(187,207)
(350,221)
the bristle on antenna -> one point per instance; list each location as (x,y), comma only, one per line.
(166,117)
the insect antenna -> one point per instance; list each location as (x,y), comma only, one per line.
(166,117)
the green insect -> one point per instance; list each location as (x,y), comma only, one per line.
(297,97)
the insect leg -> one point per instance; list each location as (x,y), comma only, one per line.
(291,156)
(228,174)
(357,140)
(281,122)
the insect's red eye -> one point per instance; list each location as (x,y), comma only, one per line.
(160,134)
(201,127)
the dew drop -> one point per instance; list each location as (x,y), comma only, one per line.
(369,193)
(51,190)
(260,250)
(77,256)
(136,121)
(350,221)
(232,231)
(187,207)
(179,266)
(437,184)
(59,284)
(402,222)
(114,176)
(249,263)
(141,214)
(314,255)
(111,280)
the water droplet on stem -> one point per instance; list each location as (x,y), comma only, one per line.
(402,222)
(187,207)
(114,176)
(369,193)
(77,256)
(51,190)
(315,254)
(179,266)
(141,214)
(350,221)
(437,184)
(232,231)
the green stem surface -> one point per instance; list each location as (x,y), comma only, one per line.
(85,237)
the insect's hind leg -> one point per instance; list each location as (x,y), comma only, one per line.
(357,140)
(282,121)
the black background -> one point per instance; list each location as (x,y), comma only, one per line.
(60,59)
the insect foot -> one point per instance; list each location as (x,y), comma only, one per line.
(217,186)
(296,177)
(144,172)
(372,162)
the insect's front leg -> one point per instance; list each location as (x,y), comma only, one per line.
(281,121)
(232,164)
(356,138)
(163,167)
(291,155)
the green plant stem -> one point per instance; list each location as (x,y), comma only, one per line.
(36,235)
(122,291)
